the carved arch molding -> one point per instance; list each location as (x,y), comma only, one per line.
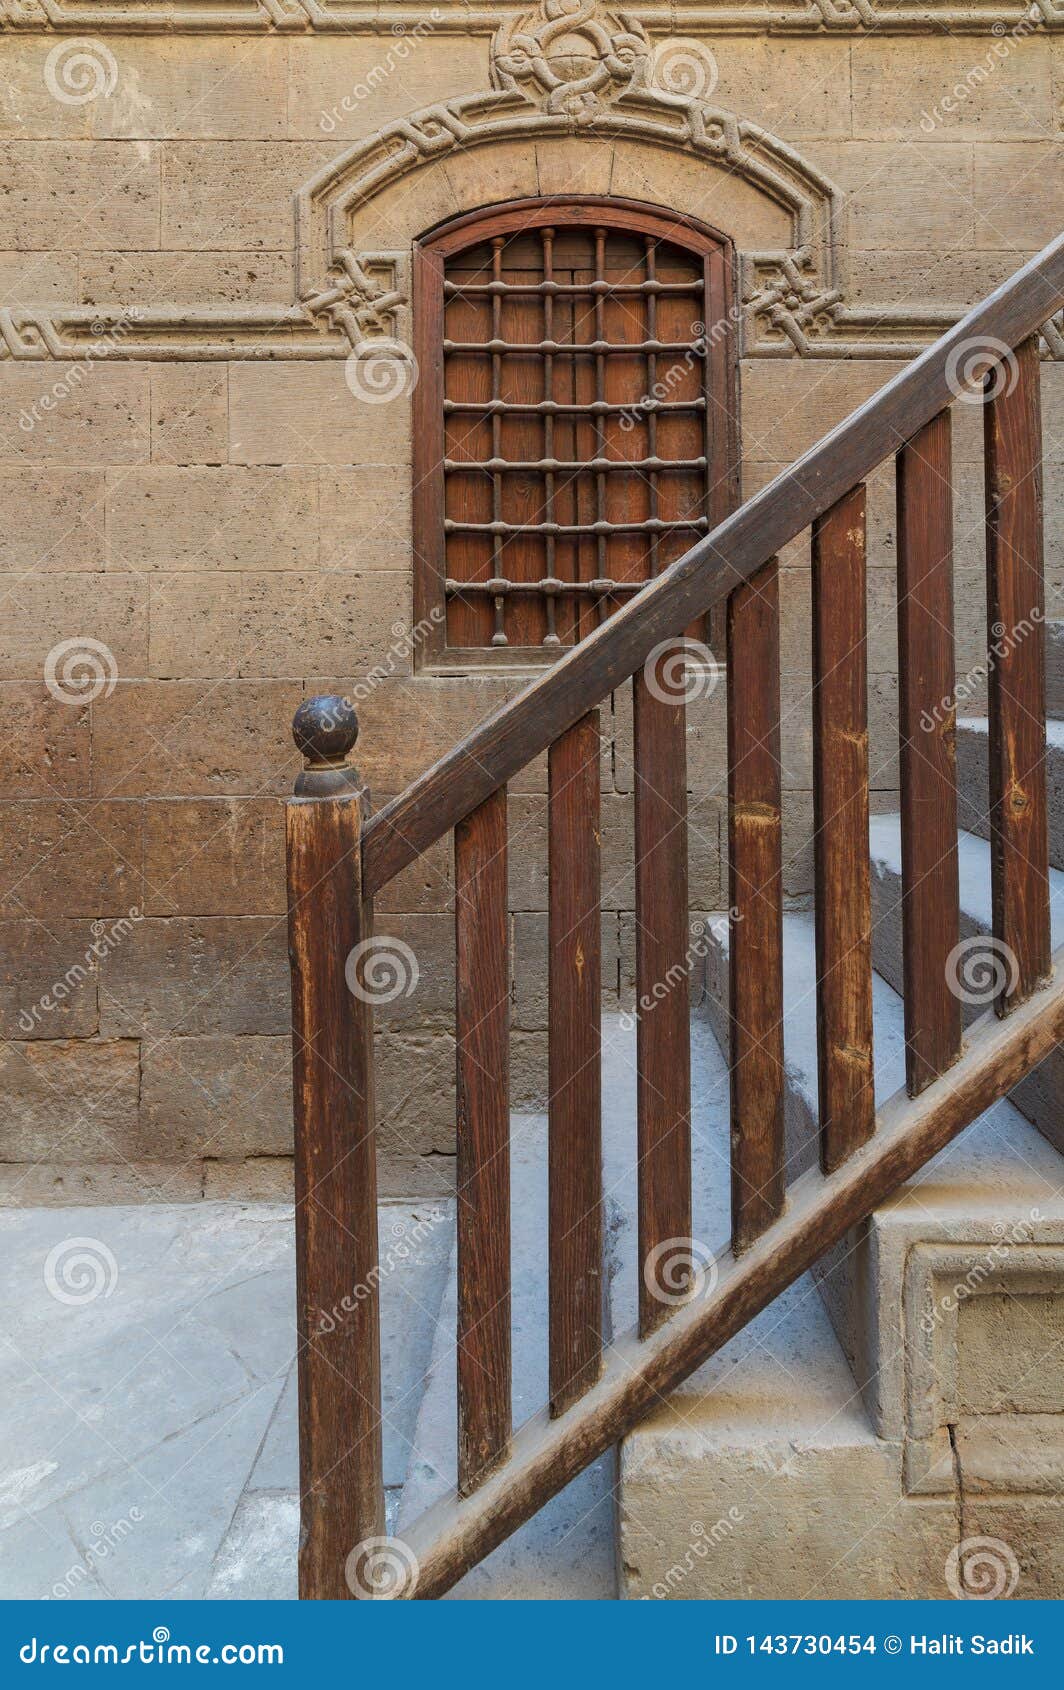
(569,69)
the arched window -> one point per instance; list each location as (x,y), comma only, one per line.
(574,418)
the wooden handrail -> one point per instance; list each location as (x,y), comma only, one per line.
(508,739)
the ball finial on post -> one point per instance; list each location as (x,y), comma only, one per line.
(325,730)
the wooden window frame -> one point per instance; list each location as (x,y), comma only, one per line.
(430,255)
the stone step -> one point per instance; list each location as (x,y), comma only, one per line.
(1040,1097)
(989,1208)
(569,1550)
(973,801)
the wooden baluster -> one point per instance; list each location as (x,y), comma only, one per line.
(1015,610)
(927,715)
(575,1017)
(483,1038)
(340,1476)
(662,969)
(840,820)
(756,900)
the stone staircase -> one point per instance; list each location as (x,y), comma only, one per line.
(901,1400)
(850,1440)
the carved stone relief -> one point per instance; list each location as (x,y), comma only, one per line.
(570,68)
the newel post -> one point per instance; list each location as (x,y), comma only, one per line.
(338,1325)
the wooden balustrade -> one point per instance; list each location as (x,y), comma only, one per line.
(779,1228)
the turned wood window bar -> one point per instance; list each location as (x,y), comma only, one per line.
(338,863)
(574,417)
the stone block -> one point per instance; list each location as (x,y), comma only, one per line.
(761,1478)
(184,278)
(796,88)
(276,624)
(491,175)
(912,278)
(191,739)
(359,83)
(70,1100)
(232,195)
(214,856)
(726,202)
(76,196)
(192,975)
(189,414)
(168,518)
(396,216)
(68,858)
(565,164)
(365,518)
(108,624)
(48,980)
(216,1096)
(1017,194)
(425,886)
(61,519)
(955,88)
(75,411)
(56,1185)
(303,413)
(903,193)
(210,85)
(415,1080)
(411,982)
(407,722)
(38,278)
(44,744)
(788,405)
(258,1179)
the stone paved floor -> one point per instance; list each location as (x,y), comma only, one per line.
(147,1393)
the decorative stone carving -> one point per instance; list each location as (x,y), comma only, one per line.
(570,56)
(796,17)
(568,68)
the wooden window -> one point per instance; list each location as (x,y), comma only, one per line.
(574,419)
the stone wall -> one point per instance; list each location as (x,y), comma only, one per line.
(199,229)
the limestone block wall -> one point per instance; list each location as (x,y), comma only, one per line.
(204,522)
